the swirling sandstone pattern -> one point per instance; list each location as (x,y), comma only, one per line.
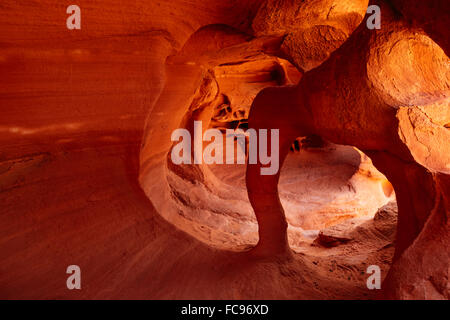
(86,119)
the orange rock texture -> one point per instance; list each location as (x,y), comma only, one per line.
(86,176)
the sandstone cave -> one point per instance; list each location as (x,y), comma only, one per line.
(364,145)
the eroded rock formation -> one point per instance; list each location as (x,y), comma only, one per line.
(343,102)
(364,121)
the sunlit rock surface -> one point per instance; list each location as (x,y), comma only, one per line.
(86,178)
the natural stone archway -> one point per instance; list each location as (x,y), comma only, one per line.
(191,93)
(212,46)
(263,190)
(343,102)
